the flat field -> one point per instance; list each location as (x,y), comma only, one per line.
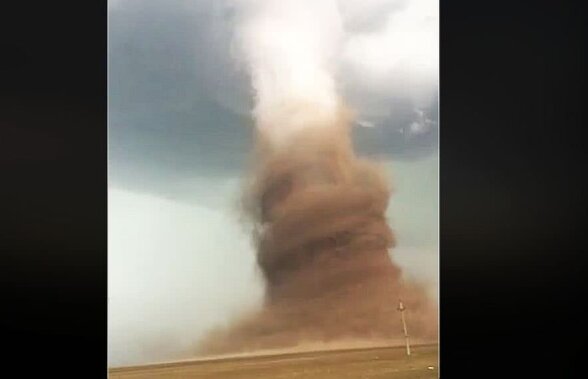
(381,362)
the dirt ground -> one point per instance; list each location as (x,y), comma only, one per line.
(386,362)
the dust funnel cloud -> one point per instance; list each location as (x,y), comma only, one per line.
(316,209)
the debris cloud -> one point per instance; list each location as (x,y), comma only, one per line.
(318,221)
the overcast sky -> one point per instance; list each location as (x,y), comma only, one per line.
(179,137)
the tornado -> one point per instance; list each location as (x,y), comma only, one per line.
(317,211)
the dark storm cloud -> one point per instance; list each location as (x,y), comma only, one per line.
(394,136)
(177,102)
(164,123)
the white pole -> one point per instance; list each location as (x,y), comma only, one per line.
(401,308)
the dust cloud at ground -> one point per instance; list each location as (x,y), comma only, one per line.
(317,213)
